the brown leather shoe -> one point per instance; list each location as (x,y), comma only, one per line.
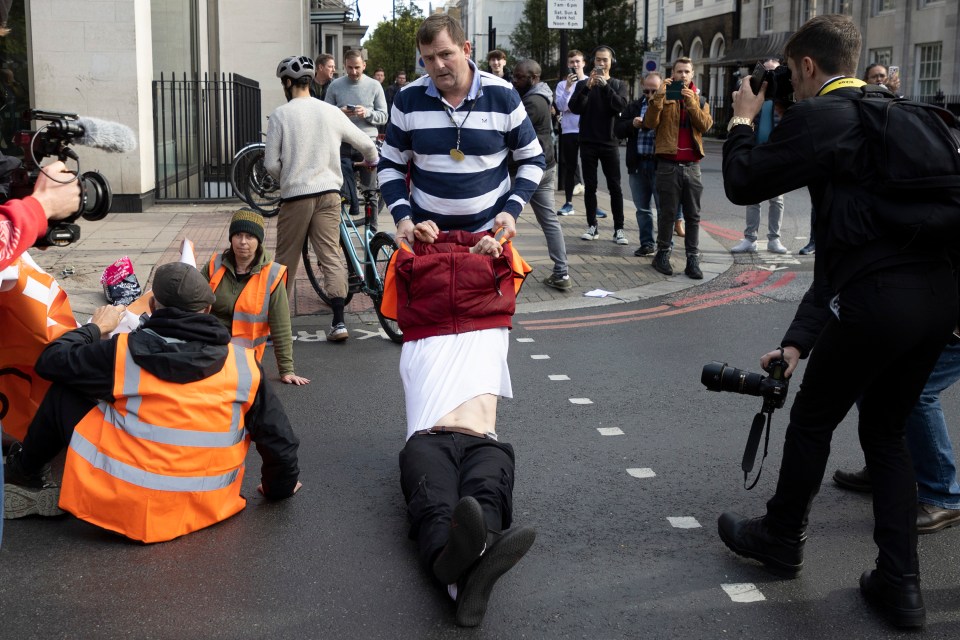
(931,519)
(678,229)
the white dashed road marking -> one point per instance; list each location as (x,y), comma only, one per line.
(524,339)
(541,356)
(610,431)
(684,522)
(642,473)
(581,401)
(559,377)
(743,592)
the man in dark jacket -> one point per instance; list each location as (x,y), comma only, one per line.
(537,98)
(873,322)
(179,345)
(598,100)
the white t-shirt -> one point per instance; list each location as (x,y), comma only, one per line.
(441,373)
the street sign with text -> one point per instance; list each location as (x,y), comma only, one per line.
(565,14)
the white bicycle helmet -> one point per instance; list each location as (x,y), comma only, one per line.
(295,67)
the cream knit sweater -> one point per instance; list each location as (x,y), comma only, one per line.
(303,147)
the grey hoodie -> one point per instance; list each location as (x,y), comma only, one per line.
(537,101)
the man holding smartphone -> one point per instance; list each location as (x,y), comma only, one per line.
(680,117)
(598,100)
(569,132)
(361,99)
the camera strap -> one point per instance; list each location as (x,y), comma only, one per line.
(753,443)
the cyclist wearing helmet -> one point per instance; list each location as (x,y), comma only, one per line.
(303,153)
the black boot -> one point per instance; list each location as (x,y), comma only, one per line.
(753,538)
(661,262)
(27,492)
(693,268)
(853,480)
(897,599)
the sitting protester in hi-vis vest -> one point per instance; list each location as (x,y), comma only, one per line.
(251,294)
(157,423)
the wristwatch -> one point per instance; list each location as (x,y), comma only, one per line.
(404,218)
(735,120)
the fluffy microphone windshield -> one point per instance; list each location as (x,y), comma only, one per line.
(109,136)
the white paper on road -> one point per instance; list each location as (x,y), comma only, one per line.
(598,293)
(610,431)
(642,473)
(743,592)
(684,522)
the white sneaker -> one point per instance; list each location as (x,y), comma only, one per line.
(338,333)
(745,246)
(775,246)
(591,234)
(619,238)
(578,190)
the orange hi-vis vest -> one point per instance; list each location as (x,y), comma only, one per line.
(163,459)
(251,327)
(33,313)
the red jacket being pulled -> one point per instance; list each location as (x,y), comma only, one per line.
(444,289)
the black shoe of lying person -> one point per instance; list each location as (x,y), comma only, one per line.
(474,589)
(28,492)
(468,538)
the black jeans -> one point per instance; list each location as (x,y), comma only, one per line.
(678,184)
(438,469)
(893,325)
(569,164)
(608,157)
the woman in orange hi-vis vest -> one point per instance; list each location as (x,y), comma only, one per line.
(157,423)
(34,311)
(251,294)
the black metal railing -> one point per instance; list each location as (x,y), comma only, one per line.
(198,125)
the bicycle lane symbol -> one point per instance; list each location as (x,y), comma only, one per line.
(355,334)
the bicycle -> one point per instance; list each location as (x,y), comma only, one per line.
(364,275)
(251,182)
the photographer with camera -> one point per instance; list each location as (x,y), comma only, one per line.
(874,321)
(23,221)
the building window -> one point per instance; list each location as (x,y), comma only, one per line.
(882,6)
(679,7)
(766,16)
(928,68)
(921,4)
(882,56)
(837,6)
(697,3)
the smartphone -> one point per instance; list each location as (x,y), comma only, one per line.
(674,90)
(571,71)
(756,78)
(352,107)
(893,72)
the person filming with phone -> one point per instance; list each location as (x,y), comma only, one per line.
(680,117)
(873,322)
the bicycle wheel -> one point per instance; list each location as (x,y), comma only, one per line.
(381,248)
(263,192)
(240,166)
(315,273)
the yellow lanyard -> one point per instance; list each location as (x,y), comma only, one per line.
(841,83)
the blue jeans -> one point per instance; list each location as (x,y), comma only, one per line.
(929,440)
(774,216)
(642,188)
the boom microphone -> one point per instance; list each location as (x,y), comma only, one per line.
(112,137)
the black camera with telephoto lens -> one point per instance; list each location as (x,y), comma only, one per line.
(54,139)
(718,376)
(779,85)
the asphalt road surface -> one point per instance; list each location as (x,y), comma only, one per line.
(622,468)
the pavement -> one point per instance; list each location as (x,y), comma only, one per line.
(153,237)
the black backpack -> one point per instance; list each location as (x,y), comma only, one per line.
(915,152)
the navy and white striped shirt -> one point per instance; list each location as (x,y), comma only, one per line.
(470,193)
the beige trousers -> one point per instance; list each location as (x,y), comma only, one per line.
(319,219)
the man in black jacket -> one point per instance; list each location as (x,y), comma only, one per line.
(537,98)
(873,322)
(598,100)
(179,344)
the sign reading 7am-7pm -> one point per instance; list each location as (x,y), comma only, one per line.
(565,14)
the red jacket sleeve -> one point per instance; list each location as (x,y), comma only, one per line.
(21,223)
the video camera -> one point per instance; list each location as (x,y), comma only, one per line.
(718,376)
(54,139)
